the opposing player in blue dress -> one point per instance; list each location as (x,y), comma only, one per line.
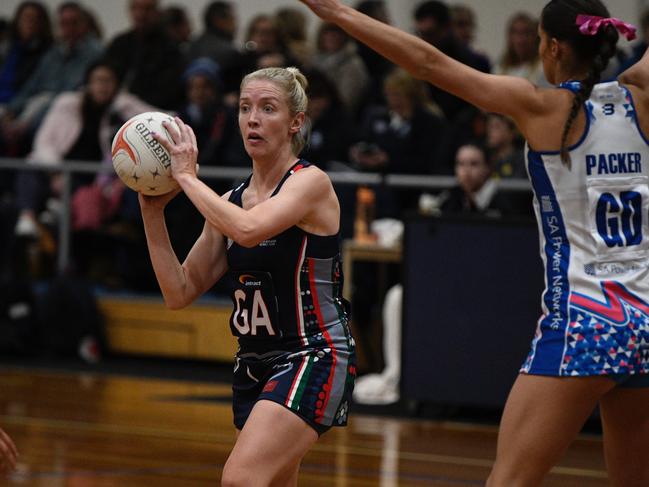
(275,239)
(588,160)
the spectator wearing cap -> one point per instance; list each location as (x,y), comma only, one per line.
(215,126)
(214,123)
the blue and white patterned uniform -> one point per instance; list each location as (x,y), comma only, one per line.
(594,231)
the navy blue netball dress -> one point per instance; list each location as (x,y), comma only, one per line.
(295,345)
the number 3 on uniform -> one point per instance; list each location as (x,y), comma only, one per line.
(247,319)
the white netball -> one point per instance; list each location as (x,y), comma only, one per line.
(140,161)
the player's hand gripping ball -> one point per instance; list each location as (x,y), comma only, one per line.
(139,160)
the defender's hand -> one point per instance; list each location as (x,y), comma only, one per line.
(325,9)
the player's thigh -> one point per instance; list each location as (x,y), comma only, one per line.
(270,445)
(625,420)
(541,418)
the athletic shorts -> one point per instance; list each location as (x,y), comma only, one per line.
(315,383)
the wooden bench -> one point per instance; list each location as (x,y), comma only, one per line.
(144,326)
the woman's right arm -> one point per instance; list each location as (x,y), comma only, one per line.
(206,262)
(512,96)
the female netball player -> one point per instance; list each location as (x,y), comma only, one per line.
(588,160)
(8,453)
(276,236)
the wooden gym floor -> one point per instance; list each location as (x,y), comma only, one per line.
(79,429)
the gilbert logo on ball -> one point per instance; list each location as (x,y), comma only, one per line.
(139,160)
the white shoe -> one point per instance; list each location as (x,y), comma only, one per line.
(376,389)
(26,227)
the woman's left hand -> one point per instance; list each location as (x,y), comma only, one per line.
(182,148)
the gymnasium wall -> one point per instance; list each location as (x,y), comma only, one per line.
(492,14)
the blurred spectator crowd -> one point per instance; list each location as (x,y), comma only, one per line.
(65,90)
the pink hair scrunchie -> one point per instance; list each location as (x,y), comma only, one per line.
(590,25)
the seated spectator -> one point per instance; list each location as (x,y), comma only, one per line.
(150,64)
(292,26)
(177,26)
(263,46)
(93,28)
(331,127)
(216,129)
(463,20)
(336,57)
(402,137)
(79,127)
(214,124)
(433,25)
(476,191)
(217,43)
(60,69)
(507,157)
(521,57)
(30,36)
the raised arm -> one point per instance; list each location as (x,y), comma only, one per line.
(494,93)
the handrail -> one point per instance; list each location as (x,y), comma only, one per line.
(350,177)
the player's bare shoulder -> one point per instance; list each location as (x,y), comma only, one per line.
(312,180)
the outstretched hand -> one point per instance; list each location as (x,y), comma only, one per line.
(8,453)
(325,9)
